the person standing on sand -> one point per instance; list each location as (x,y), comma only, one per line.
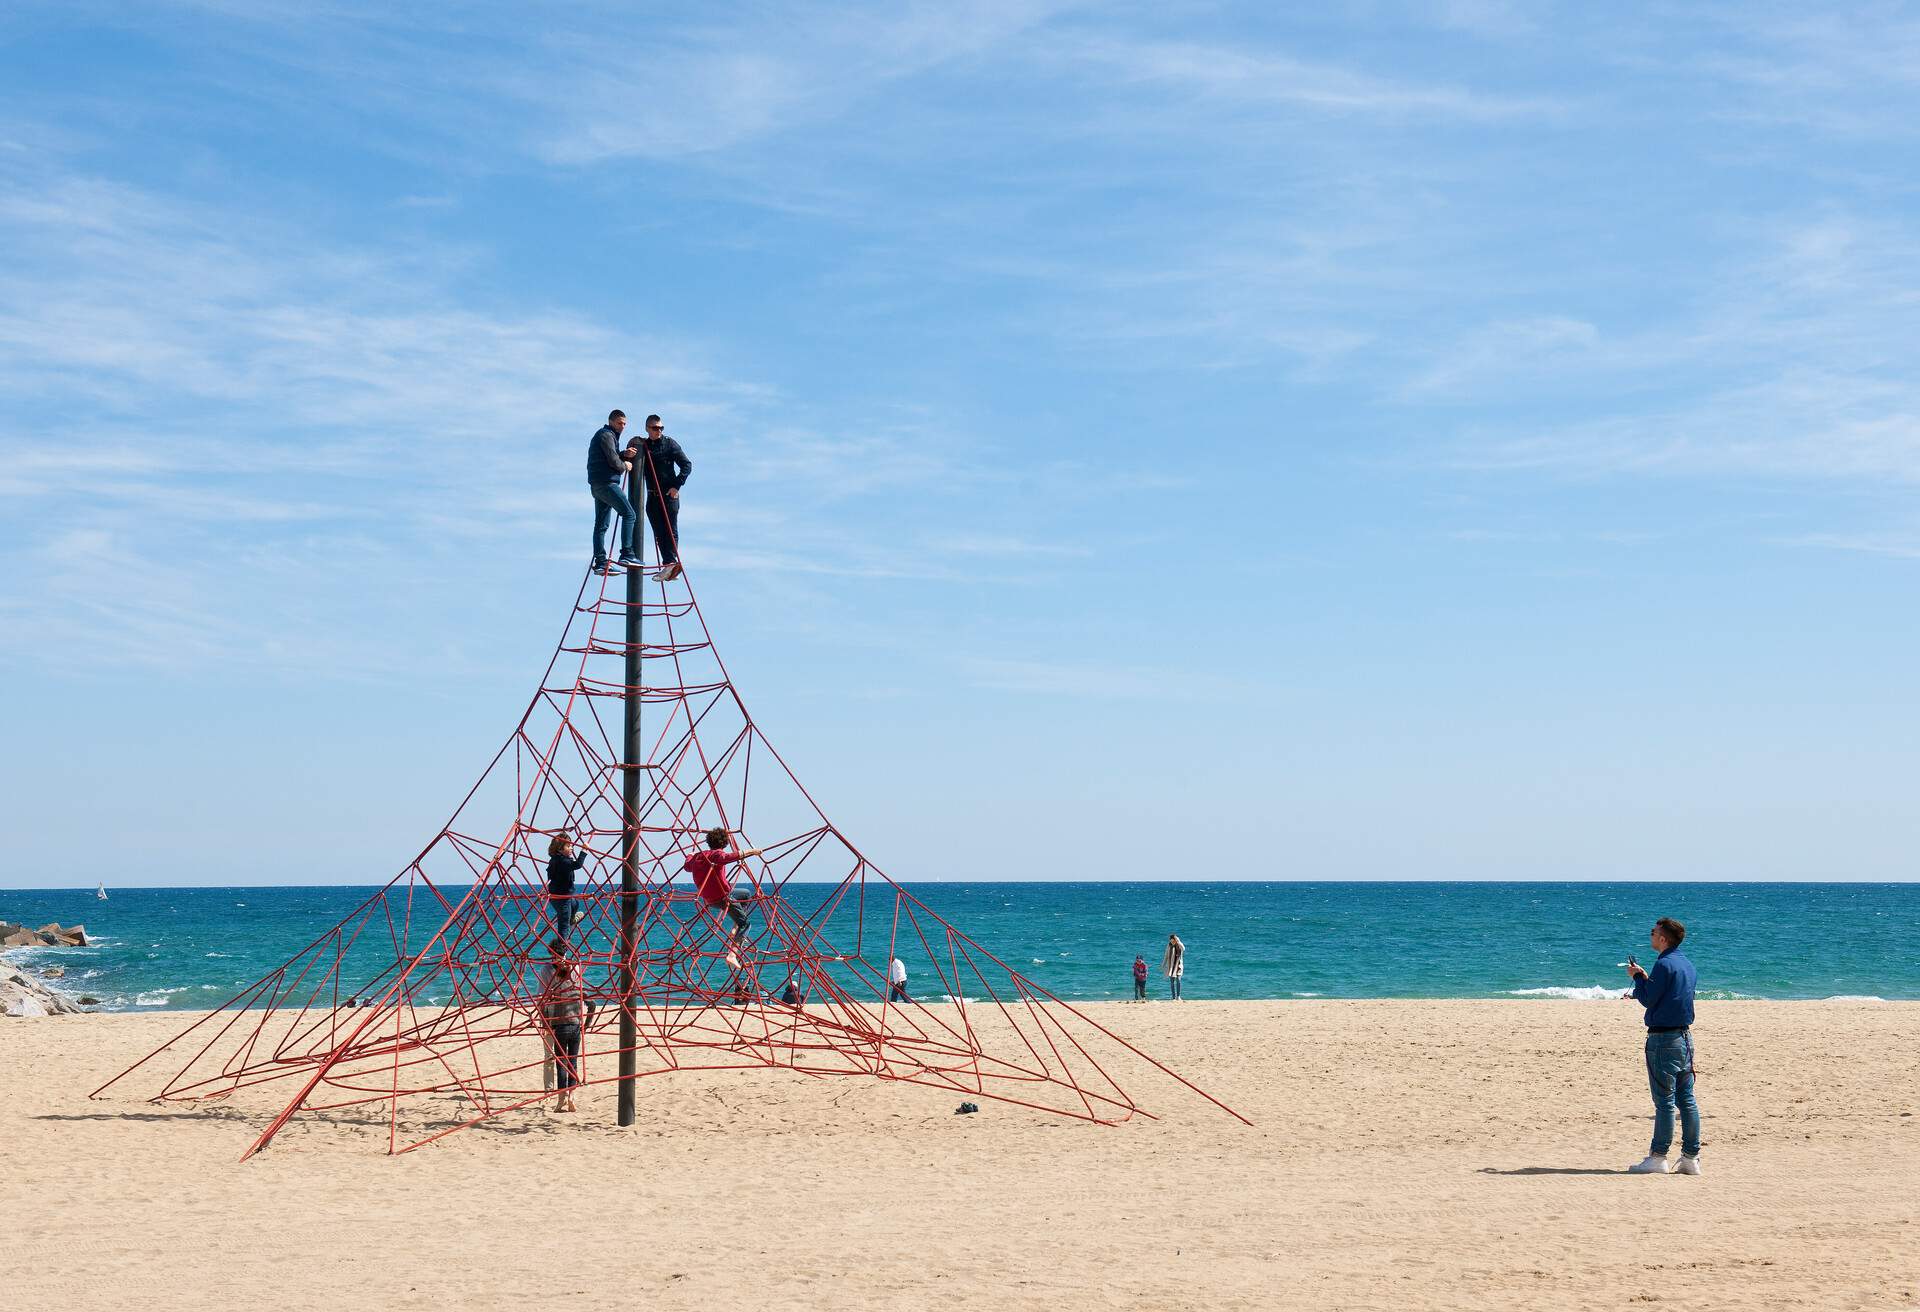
(562,867)
(1173,963)
(664,469)
(605,465)
(897,981)
(542,981)
(563,1004)
(1139,979)
(1666,992)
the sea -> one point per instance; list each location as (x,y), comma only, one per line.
(193,948)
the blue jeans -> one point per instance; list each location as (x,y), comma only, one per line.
(563,916)
(566,1055)
(1670,1077)
(610,499)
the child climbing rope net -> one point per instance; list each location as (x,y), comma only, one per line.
(709,871)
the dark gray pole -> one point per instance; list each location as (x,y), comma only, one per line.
(630,840)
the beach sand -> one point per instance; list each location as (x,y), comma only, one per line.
(1404,1155)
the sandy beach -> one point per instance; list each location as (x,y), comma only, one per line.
(1405,1154)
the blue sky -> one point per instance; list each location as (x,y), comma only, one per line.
(1461,440)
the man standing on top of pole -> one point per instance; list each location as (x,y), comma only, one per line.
(664,468)
(605,465)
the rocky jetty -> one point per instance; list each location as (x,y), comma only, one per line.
(22,995)
(50,935)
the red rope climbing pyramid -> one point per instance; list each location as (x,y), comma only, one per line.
(426,1000)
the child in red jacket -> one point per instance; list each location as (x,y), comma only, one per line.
(709,871)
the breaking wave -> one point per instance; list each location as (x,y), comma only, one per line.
(1588,993)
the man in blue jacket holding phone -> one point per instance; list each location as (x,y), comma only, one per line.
(1666,992)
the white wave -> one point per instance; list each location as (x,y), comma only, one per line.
(1854,997)
(217,954)
(1591,993)
(1307,995)
(156,997)
(948,997)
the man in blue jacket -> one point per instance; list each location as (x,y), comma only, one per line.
(1666,992)
(606,463)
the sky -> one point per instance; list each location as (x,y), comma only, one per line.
(1166,441)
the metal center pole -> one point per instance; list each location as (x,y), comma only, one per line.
(630,750)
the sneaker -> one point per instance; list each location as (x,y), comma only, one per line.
(1688,1165)
(632,562)
(599,565)
(1651,1166)
(671,572)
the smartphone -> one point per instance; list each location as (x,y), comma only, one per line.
(1632,960)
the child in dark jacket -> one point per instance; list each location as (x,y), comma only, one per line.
(562,867)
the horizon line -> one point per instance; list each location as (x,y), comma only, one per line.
(1242,883)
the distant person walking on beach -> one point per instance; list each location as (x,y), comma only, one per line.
(1173,963)
(605,465)
(664,468)
(897,981)
(562,867)
(563,1004)
(1139,979)
(1666,992)
(709,871)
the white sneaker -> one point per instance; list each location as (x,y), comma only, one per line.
(1651,1166)
(1687,1165)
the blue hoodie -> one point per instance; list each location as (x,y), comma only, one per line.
(1667,991)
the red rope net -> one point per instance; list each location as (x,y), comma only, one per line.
(429,995)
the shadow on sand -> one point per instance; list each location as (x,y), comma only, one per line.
(207,1113)
(1550,1170)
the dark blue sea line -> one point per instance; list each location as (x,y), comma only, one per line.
(195,947)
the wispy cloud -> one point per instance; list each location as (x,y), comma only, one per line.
(722,85)
(1903,545)
(1850,69)
(1242,76)
(1793,367)
(1505,350)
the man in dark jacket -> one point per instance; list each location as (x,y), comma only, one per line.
(1666,992)
(663,469)
(606,463)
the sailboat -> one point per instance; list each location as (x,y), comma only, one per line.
(101,891)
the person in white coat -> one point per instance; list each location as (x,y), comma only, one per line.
(897,982)
(1174,963)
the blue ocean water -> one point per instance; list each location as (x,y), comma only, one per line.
(195,947)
